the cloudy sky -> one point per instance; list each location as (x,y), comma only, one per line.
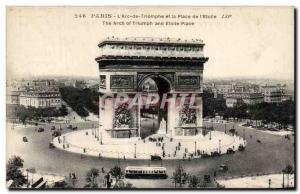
(253,42)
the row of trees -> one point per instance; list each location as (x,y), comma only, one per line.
(29,113)
(180,177)
(282,113)
(14,173)
(116,172)
(81,100)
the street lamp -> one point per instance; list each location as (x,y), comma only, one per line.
(101,137)
(27,177)
(244,133)
(210,135)
(219,146)
(195,147)
(135,150)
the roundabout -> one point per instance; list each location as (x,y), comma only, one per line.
(36,153)
(85,142)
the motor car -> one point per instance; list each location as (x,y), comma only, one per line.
(25,139)
(41,129)
(53,128)
(155,158)
(223,168)
(51,145)
(215,154)
(230,151)
(241,148)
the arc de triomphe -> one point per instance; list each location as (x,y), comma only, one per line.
(175,65)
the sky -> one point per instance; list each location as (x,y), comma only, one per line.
(252,42)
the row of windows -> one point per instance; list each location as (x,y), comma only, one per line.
(28,101)
(145,171)
(155,48)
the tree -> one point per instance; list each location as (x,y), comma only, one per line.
(91,178)
(14,173)
(288,170)
(194,181)
(116,172)
(63,110)
(179,176)
(81,100)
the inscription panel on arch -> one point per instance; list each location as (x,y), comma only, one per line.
(188,82)
(122,81)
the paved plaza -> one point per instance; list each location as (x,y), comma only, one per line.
(85,142)
(261,181)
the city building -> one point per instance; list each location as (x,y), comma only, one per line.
(233,100)
(12,97)
(236,98)
(222,89)
(272,94)
(40,99)
(253,98)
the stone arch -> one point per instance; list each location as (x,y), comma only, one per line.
(160,80)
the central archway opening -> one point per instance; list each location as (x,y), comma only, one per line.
(153,116)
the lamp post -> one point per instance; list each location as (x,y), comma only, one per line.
(135,150)
(210,135)
(282,178)
(195,148)
(219,146)
(100,134)
(244,133)
(101,138)
(27,177)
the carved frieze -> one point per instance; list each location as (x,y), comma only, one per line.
(187,116)
(121,81)
(123,117)
(189,82)
(102,81)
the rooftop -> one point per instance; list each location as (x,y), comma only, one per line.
(152,40)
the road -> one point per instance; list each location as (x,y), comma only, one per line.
(271,155)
